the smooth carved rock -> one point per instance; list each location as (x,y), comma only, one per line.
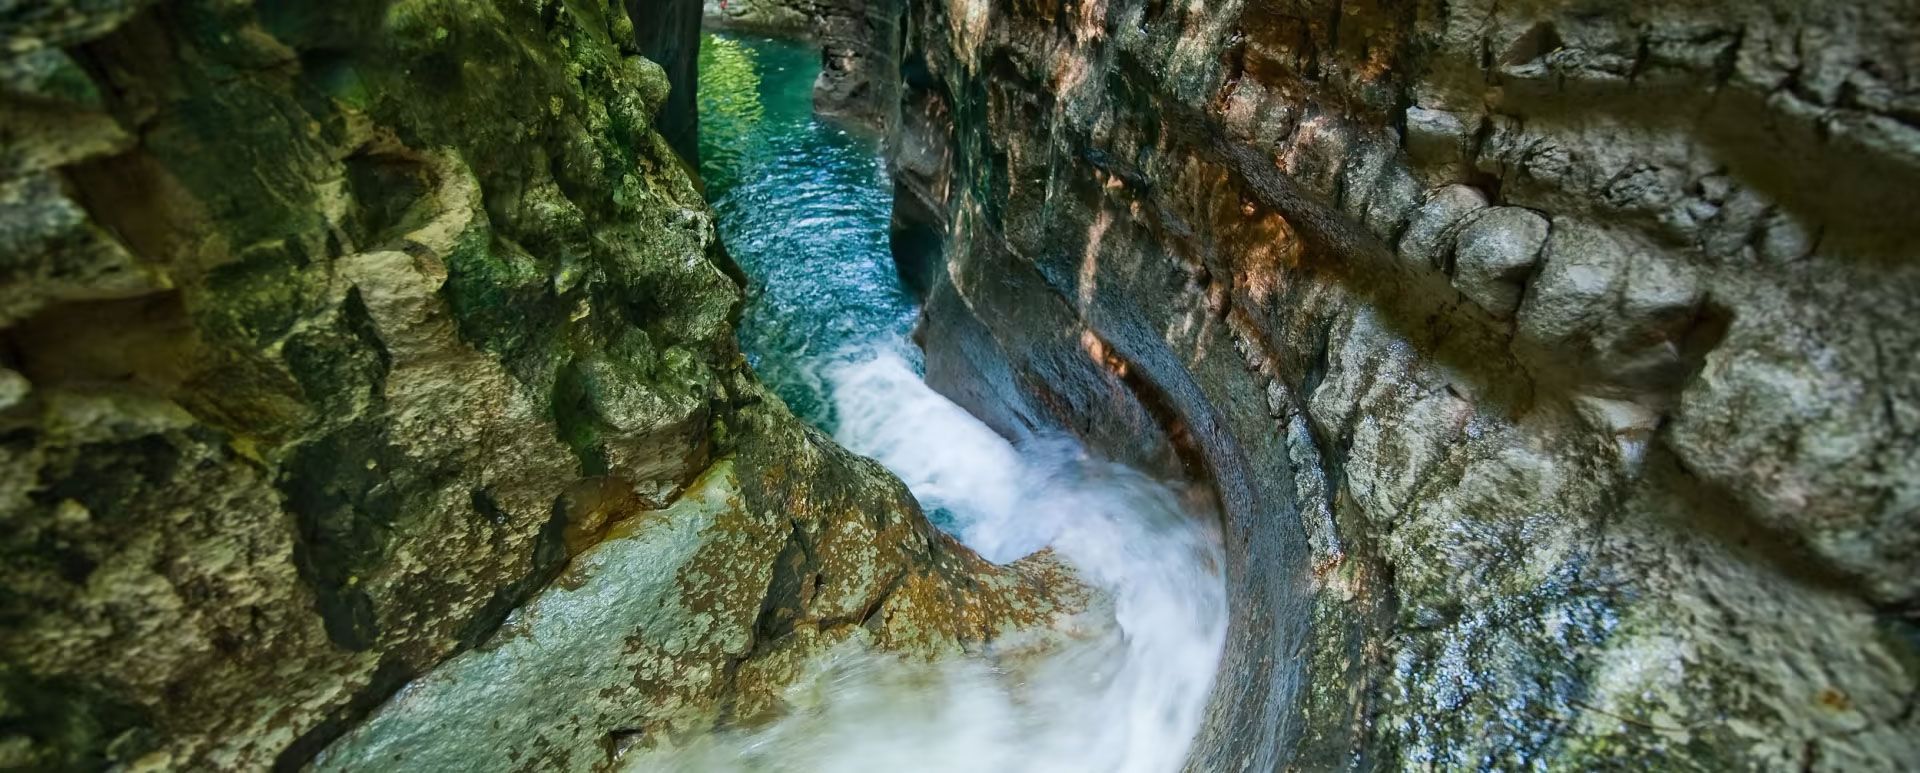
(1650,504)
(334,331)
(647,629)
(1493,255)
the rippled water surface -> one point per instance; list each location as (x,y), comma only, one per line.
(804,207)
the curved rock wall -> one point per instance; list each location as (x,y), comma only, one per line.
(1551,359)
(343,338)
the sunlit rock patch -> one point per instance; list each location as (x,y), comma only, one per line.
(334,332)
(1555,388)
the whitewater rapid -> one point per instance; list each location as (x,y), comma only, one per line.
(805,208)
(1124,694)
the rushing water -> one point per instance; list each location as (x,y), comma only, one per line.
(804,208)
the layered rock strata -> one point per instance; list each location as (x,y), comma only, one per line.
(343,338)
(1550,359)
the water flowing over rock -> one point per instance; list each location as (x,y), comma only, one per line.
(1550,359)
(371,397)
(351,342)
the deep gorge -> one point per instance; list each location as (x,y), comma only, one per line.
(455,384)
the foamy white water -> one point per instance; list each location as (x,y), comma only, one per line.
(1126,698)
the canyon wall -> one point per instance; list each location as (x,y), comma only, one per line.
(354,345)
(669,35)
(1553,360)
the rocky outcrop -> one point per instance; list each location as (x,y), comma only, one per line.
(1548,358)
(773,18)
(858,39)
(351,342)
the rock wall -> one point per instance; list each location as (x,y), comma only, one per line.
(858,40)
(1551,359)
(669,35)
(773,18)
(353,344)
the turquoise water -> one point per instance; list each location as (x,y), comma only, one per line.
(804,207)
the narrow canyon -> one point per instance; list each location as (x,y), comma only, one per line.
(1046,386)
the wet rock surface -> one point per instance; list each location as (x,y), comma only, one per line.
(1548,359)
(353,345)
(858,39)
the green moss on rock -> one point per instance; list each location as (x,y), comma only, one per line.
(334,332)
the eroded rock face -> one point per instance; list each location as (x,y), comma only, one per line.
(702,612)
(774,18)
(858,39)
(1550,359)
(335,333)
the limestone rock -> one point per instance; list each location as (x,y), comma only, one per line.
(336,332)
(1439,138)
(1493,255)
(785,18)
(1645,498)
(858,41)
(1428,240)
(1571,299)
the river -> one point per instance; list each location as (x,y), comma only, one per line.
(804,208)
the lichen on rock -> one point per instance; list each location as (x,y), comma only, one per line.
(346,338)
(1545,356)
(859,74)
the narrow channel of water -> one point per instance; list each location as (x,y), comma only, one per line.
(804,208)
